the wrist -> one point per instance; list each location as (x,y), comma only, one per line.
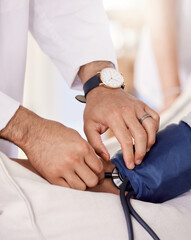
(102,91)
(108,78)
(89,70)
(19,128)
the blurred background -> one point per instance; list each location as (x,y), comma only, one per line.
(152,42)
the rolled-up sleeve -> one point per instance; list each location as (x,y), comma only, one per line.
(8,107)
(72,33)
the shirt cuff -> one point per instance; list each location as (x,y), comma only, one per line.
(7,109)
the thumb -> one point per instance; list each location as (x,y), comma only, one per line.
(93,132)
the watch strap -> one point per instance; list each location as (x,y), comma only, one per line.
(91,84)
(88,86)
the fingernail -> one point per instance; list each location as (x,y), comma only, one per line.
(131,165)
(148,149)
(138,162)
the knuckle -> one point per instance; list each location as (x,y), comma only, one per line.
(127,153)
(126,109)
(53,172)
(151,127)
(140,154)
(141,136)
(75,160)
(139,105)
(127,145)
(82,187)
(115,114)
(129,111)
(70,161)
(84,148)
(128,142)
(76,184)
(156,117)
(93,182)
(99,167)
(151,142)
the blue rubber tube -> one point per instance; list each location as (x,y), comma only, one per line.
(166,169)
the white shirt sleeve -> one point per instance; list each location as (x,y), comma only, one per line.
(8,107)
(72,33)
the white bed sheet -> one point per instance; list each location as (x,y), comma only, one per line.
(31,208)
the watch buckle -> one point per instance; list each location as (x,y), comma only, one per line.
(80,98)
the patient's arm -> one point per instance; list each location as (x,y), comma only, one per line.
(105,184)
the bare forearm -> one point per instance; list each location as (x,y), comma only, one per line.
(162,23)
(19,128)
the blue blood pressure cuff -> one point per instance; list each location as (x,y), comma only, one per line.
(166,169)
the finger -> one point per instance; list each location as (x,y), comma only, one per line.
(139,135)
(150,127)
(93,162)
(61,182)
(74,181)
(154,115)
(87,175)
(123,136)
(93,131)
(101,176)
(107,167)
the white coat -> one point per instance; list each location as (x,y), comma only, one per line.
(71,32)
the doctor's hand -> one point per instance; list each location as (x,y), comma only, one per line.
(58,153)
(119,111)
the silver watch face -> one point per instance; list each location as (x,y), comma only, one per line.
(111,78)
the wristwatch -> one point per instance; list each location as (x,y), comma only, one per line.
(108,77)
